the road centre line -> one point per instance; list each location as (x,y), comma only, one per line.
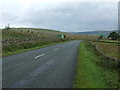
(39,56)
(56,49)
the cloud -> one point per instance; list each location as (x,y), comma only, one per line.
(63,16)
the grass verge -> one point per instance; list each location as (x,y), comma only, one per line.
(94,71)
(29,49)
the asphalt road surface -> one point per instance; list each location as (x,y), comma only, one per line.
(49,67)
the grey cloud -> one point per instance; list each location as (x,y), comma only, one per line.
(68,16)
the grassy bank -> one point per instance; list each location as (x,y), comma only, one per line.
(11,50)
(94,71)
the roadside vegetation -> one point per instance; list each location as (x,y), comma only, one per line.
(15,40)
(95,71)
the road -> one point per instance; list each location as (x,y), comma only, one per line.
(49,67)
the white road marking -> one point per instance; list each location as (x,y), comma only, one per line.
(20,64)
(56,49)
(39,55)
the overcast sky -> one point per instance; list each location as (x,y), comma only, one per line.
(59,15)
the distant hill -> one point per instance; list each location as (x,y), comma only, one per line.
(96,33)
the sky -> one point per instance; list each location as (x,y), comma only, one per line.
(62,15)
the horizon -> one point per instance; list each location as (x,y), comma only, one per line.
(64,31)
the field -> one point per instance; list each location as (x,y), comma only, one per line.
(25,38)
(95,71)
(109,48)
(111,41)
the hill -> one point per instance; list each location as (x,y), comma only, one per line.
(96,33)
(16,39)
(40,32)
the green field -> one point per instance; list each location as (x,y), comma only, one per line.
(95,71)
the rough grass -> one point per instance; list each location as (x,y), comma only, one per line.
(19,39)
(14,41)
(7,53)
(25,46)
(94,71)
(11,34)
(46,32)
(24,38)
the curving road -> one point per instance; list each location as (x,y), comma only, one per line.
(49,67)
